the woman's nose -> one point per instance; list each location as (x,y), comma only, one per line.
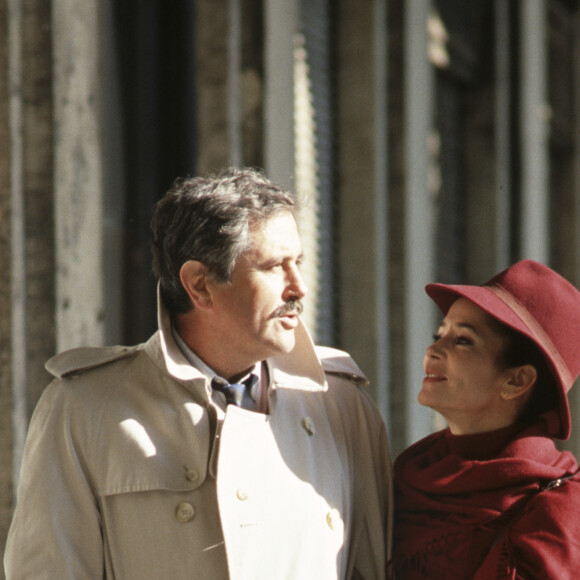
(434,350)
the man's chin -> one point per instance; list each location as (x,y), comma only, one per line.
(285,343)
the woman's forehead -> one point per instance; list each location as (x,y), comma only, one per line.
(463,312)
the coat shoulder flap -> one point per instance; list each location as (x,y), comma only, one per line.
(340,363)
(78,360)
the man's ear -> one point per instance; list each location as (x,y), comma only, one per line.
(193,276)
(520,381)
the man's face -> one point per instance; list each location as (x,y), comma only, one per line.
(255,311)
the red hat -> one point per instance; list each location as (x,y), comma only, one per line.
(536,301)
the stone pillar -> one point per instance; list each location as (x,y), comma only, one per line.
(80,308)
(211,61)
(362,181)
(419,221)
(26,228)
(534,133)
(6,439)
(280,20)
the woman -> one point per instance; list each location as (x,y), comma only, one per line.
(491,496)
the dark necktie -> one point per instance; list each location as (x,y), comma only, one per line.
(234,392)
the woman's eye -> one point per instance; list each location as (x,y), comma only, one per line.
(463,340)
(436,337)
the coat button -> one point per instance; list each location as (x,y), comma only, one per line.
(308,425)
(242,494)
(192,475)
(332,519)
(184,512)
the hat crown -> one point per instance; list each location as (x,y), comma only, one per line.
(551,301)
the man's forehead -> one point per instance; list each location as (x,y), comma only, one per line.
(280,225)
(276,234)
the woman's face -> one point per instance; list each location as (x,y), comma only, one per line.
(463,379)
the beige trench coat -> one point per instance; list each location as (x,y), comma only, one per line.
(131,472)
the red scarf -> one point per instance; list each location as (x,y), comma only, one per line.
(452,490)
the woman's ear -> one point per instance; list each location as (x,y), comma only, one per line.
(193,276)
(520,381)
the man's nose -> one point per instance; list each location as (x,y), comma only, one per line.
(296,283)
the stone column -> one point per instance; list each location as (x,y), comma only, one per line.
(26,227)
(80,308)
(211,61)
(6,438)
(361,182)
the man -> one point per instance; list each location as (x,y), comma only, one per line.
(137,468)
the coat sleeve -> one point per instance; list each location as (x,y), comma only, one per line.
(373,489)
(365,436)
(56,528)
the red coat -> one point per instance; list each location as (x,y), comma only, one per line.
(453,500)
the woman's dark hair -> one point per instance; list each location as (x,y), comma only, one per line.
(210,219)
(520,350)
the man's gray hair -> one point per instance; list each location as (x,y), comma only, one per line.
(209,219)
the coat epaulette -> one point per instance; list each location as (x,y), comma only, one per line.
(338,362)
(78,360)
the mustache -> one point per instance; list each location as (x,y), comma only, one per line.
(293,306)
